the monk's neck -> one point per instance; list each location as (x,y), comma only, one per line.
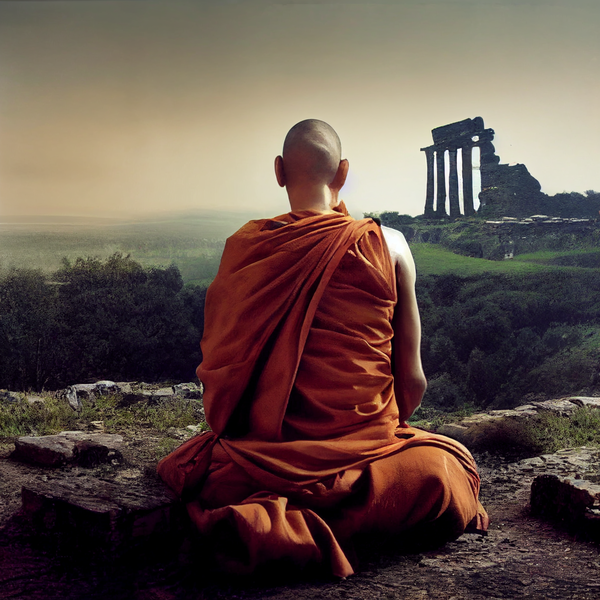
(319,199)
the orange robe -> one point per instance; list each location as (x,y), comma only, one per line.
(306,448)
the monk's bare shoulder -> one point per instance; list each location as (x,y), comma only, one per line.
(399,251)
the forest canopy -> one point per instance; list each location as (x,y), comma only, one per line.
(494,340)
(95,319)
(489,340)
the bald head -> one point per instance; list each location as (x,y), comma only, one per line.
(311,168)
(311,153)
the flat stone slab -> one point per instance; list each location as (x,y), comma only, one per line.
(111,515)
(586,401)
(561,407)
(70,447)
(581,463)
(570,500)
(502,429)
(563,487)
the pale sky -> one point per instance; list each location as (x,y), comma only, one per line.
(111,108)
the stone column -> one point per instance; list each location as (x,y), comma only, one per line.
(453,186)
(429,153)
(467,180)
(440,209)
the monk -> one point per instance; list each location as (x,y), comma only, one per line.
(311,367)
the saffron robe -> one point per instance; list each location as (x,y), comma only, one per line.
(307,448)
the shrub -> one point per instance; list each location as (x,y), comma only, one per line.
(551,432)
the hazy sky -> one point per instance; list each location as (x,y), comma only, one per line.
(115,107)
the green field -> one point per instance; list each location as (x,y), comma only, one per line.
(433,259)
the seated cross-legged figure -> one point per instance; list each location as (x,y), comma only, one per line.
(311,367)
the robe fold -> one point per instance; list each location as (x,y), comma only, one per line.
(306,449)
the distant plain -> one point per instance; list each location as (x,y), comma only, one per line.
(194,242)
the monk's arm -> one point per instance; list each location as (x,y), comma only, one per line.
(409,379)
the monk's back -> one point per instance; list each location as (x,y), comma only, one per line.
(344,384)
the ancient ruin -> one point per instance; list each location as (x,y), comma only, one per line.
(505,189)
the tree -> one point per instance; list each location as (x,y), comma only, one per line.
(27,329)
(120,321)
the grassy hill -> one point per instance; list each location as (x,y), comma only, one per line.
(501,333)
(435,259)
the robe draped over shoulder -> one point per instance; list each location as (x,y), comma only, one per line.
(306,448)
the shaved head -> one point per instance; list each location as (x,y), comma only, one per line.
(311,153)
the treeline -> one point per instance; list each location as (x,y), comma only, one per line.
(570,205)
(497,340)
(490,340)
(97,319)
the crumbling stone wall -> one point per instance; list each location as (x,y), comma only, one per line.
(506,190)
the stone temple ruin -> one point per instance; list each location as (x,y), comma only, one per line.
(502,185)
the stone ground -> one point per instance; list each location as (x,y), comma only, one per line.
(521,557)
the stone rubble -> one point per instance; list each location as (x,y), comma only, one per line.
(130,393)
(70,447)
(540,220)
(75,393)
(75,501)
(565,486)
